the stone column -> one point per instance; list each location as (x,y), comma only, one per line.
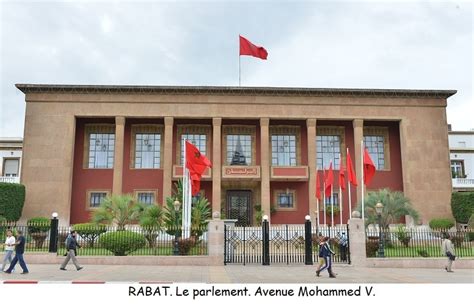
(358,125)
(311,132)
(215,242)
(118,155)
(265,164)
(216,164)
(167,158)
(357,242)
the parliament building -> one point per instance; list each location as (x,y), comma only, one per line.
(85,142)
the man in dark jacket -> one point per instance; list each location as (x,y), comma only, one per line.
(19,250)
(325,252)
(71,246)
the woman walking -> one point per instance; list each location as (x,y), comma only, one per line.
(448,250)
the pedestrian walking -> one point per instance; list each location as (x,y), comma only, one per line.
(448,249)
(321,259)
(19,251)
(71,248)
(9,248)
(326,252)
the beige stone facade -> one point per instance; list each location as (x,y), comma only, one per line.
(51,112)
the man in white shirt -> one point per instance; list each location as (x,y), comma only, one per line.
(9,247)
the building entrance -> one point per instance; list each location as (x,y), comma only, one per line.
(239,206)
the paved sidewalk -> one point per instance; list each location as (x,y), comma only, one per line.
(237,274)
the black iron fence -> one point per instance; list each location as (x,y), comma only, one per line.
(417,242)
(285,244)
(100,240)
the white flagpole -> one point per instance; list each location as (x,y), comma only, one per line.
(239,69)
(349,188)
(185,187)
(317,200)
(332,204)
(324,200)
(340,191)
(362,172)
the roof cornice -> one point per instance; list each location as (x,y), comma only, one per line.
(228,90)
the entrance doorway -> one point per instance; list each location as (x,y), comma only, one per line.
(239,206)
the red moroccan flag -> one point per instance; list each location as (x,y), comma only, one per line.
(318,187)
(195,184)
(329,181)
(196,162)
(342,182)
(369,168)
(247,48)
(351,176)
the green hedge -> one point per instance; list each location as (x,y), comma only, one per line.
(462,206)
(122,243)
(38,225)
(441,223)
(89,231)
(12,199)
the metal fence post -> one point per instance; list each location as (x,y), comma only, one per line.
(265,242)
(53,234)
(308,241)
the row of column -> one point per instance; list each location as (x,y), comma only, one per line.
(358,125)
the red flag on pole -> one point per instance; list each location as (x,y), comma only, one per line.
(351,176)
(329,181)
(247,48)
(341,178)
(369,168)
(197,164)
(318,187)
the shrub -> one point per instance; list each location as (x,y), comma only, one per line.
(403,236)
(457,239)
(470,236)
(462,206)
(441,223)
(122,243)
(372,246)
(3,219)
(12,199)
(185,245)
(89,231)
(423,253)
(38,228)
(470,223)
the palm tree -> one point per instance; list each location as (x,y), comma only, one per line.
(118,209)
(395,206)
(151,222)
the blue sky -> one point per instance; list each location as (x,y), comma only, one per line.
(365,44)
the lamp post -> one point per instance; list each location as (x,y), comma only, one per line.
(379,209)
(53,234)
(176,205)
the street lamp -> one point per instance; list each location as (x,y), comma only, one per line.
(379,209)
(176,205)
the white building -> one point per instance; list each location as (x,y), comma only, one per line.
(10,159)
(461,148)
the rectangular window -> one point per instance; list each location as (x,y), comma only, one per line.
(146,197)
(283,150)
(11,167)
(96,198)
(239,150)
(101,150)
(147,151)
(457,168)
(285,200)
(199,140)
(328,149)
(375,144)
(335,196)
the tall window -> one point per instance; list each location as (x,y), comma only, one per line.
(101,150)
(375,146)
(199,140)
(10,167)
(96,198)
(283,150)
(239,150)
(147,151)
(146,197)
(457,168)
(328,149)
